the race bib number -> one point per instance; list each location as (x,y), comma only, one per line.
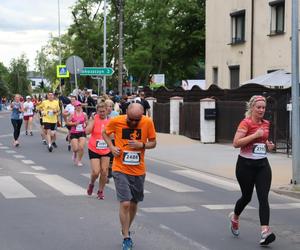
(259,149)
(50,113)
(79,127)
(21,116)
(101,144)
(131,158)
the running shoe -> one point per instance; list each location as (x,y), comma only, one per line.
(50,148)
(31,133)
(26,133)
(90,189)
(69,147)
(44,142)
(234,225)
(54,144)
(266,237)
(100,195)
(127,244)
(79,164)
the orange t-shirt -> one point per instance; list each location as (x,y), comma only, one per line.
(130,161)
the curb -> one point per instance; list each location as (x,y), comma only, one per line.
(287,191)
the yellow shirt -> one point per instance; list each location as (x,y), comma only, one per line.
(50,110)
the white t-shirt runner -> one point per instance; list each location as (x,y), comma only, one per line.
(28,108)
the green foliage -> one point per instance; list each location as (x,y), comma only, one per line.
(3,80)
(160,37)
(17,79)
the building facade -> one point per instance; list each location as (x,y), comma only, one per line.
(246,39)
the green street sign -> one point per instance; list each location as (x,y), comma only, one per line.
(96,71)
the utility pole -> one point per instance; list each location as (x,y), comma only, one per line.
(295,94)
(121,40)
(104,48)
(59,42)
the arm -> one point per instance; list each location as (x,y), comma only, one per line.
(90,125)
(240,140)
(115,150)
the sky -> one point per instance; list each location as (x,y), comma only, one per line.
(26,25)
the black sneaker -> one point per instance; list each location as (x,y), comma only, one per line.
(54,144)
(26,133)
(267,237)
(44,142)
(69,147)
(50,148)
(31,133)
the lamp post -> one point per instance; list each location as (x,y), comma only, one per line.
(295,94)
(104,47)
(59,41)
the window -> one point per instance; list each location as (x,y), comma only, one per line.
(33,83)
(238,27)
(215,76)
(277,17)
(234,76)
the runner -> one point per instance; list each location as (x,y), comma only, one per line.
(39,111)
(77,121)
(133,134)
(253,168)
(50,109)
(69,110)
(110,109)
(99,153)
(28,115)
(17,117)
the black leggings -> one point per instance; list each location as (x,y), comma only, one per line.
(17,127)
(249,173)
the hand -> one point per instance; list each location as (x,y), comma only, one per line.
(115,151)
(135,144)
(270,145)
(259,133)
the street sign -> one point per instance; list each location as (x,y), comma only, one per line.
(74,64)
(61,71)
(96,71)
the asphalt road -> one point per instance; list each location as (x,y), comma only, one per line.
(44,205)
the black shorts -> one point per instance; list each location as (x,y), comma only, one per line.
(41,122)
(93,155)
(51,126)
(77,135)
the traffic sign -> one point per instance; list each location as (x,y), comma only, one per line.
(62,72)
(96,71)
(74,64)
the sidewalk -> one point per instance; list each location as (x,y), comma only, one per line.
(217,159)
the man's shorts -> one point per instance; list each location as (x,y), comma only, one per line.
(129,187)
(93,155)
(77,135)
(51,126)
(26,117)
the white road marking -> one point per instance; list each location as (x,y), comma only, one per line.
(223,207)
(28,162)
(38,168)
(1,144)
(191,242)
(10,151)
(11,189)
(170,184)
(61,184)
(19,156)
(175,209)
(285,206)
(4,147)
(111,183)
(8,135)
(209,179)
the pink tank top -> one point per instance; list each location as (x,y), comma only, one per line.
(80,128)
(96,141)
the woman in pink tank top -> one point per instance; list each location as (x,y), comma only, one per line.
(77,121)
(99,153)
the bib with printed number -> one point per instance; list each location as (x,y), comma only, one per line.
(21,116)
(79,127)
(259,149)
(50,113)
(131,158)
(101,144)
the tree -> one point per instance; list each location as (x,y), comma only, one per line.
(3,80)
(17,80)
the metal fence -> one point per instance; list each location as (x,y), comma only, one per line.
(189,122)
(161,117)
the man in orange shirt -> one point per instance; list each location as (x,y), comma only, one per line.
(133,133)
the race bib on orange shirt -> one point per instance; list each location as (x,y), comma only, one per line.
(132,158)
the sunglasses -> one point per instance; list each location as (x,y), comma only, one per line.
(133,120)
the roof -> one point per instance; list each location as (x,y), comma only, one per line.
(279,78)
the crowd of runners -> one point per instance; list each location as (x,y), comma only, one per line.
(121,130)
